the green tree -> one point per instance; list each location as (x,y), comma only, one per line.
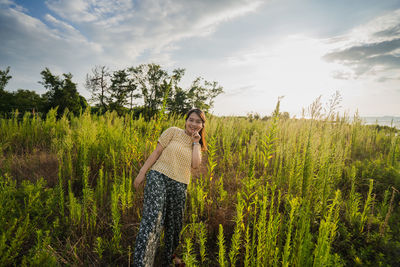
(28,101)
(4,78)
(120,89)
(61,92)
(5,97)
(152,81)
(21,100)
(6,101)
(202,93)
(178,102)
(117,91)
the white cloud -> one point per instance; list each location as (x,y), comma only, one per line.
(367,33)
(29,45)
(10,3)
(74,10)
(126,30)
(372,49)
(81,34)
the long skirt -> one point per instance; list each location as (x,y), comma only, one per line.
(163,206)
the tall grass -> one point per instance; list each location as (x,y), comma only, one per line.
(293,192)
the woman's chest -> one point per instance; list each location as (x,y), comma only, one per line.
(180,148)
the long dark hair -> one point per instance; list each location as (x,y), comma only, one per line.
(202,132)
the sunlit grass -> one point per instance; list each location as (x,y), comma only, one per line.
(292,192)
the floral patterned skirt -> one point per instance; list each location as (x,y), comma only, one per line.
(163,206)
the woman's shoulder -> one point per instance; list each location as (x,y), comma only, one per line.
(174,129)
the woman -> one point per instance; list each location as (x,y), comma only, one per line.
(176,153)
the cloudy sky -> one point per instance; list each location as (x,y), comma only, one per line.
(256,50)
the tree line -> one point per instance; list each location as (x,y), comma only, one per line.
(61,92)
(140,90)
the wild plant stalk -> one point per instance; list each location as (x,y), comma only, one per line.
(247,247)
(222,194)
(384,205)
(250,184)
(274,221)
(354,201)
(202,240)
(221,247)
(327,233)
(42,255)
(294,203)
(394,149)
(261,229)
(188,256)
(390,210)
(307,167)
(123,194)
(115,218)
(236,237)
(61,191)
(129,181)
(89,205)
(293,169)
(254,212)
(100,189)
(75,208)
(99,247)
(201,195)
(212,163)
(268,143)
(324,174)
(226,146)
(370,217)
(11,251)
(303,238)
(367,206)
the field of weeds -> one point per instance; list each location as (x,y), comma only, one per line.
(281,192)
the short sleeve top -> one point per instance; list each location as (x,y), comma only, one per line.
(175,160)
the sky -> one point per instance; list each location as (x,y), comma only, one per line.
(256,50)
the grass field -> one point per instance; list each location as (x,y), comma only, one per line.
(281,192)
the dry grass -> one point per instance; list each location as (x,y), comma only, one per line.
(33,166)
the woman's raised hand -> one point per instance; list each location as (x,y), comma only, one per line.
(195,136)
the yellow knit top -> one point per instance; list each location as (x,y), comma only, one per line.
(175,160)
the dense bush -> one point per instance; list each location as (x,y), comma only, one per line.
(29,220)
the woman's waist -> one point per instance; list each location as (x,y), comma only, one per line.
(175,174)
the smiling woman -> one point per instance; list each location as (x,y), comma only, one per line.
(176,153)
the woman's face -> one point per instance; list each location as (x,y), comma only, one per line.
(193,123)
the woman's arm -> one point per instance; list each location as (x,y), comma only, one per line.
(196,156)
(149,162)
